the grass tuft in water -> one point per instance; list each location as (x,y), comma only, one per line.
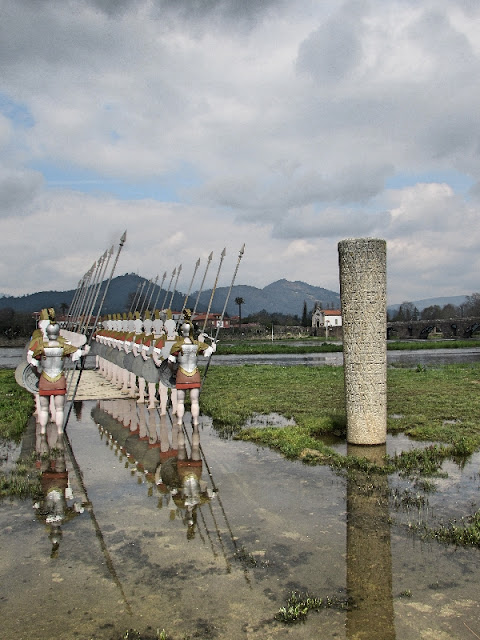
(466,533)
(21,482)
(299,604)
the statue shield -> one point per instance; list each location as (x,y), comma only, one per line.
(166,375)
(27,376)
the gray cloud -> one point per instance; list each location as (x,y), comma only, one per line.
(291,119)
(18,190)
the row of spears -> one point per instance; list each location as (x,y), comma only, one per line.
(141,330)
(149,356)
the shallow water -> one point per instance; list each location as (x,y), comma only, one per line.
(262,527)
(10,358)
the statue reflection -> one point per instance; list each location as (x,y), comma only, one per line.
(161,450)
(369,559)
(56,505)
(178,477)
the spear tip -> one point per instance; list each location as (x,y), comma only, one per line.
(123,238)
(224,252)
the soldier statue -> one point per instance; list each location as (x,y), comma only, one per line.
(48,358)
(184,353)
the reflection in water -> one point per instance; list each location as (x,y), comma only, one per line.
(369,559)
(158,449)
(57,505)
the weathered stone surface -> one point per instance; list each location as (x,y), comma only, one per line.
(363,294)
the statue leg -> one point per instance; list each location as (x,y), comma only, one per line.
(195,406)
(37,406)
(59,412)
(174,399)
(180,405)
(132,386)
(126,379)
(53,409)
(43,414)
(141,391)
(152,390)
(163,392)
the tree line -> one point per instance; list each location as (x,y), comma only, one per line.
(409,312)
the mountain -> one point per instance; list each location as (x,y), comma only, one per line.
(279,297)
(282,296)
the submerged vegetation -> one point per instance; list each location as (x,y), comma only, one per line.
(299,604)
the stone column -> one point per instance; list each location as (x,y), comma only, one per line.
(363,278)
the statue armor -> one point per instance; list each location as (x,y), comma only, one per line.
(52,363)
(187,358)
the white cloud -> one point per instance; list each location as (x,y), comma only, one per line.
(289,118)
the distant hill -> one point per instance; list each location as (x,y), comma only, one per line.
(282,296)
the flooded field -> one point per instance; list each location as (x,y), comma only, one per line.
(143,527)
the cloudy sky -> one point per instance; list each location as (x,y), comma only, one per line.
(202,124)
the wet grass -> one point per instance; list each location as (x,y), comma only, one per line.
(299,604)
(268,348)
(16,406)
(406,345)
(464,532)
(21,482)
(440,405)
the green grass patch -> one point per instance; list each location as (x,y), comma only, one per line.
(318,345)
(299,604)
(16,406)
(21,482)
(439,405)
(465,533)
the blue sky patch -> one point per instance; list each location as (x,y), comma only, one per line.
(459,182)
(166,188)
(18,113)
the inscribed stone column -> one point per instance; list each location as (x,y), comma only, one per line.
(363,280)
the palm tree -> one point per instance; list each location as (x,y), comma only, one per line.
(239,301)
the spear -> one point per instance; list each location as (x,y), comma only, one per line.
(90,295)
(146,295)
(122,242)
(151,295)
(106,259)
(81,304)
(79,298)
(141,291)
(158,292)
(72,303)
(240,256)
(222,257)
(168,290)
(190,287)
(132,306)
(203,281)
(175,286)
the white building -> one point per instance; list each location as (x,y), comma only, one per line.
(323,318)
